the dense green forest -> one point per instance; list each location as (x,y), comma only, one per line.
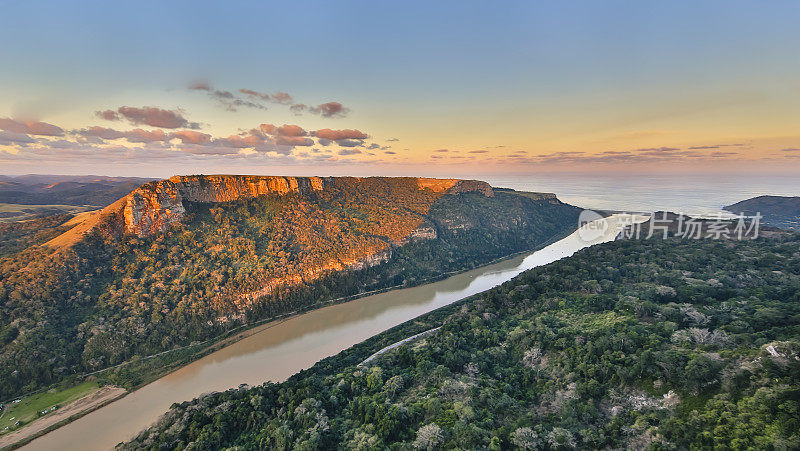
(668,344)
(113,297)
(17,235)
(777,211)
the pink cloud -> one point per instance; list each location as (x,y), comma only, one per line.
(335,135)
(283,130)
(109,115)
(152,116)
(282,97)
(330,109)
(145,136)
(293,141)
(200,86)
(10,138)
(279,97)
(191,137)
(240,142)
(136,135)
(101,132)
(30,127)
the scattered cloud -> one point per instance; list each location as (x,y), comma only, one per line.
(226,98)
(335,135)
(252,98)
(210,150)
(192,137)
(136,135)
(152,116)
(279,97)
(293,141)
(330,109)
(8,138)
(643,155)
(345,152)
(101,132)
(715,146)
(239,142)
(657,149)
(723,154)
(349,142)
(283,130)
(298,109)
(30,127)
(109,115)
(200,86)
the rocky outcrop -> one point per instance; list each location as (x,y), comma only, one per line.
(465,186)
(455,186)
(153,207)
(425,231)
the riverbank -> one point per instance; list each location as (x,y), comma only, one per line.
(287,347)
(59,417)
(168,362)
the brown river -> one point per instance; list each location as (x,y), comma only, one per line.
(283,348)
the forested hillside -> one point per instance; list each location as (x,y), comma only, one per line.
(18,235)
(670,344)
(90,302)
(777,211)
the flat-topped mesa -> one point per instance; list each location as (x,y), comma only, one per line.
(456,186)
(152,207)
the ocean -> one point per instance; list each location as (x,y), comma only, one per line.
(692,194)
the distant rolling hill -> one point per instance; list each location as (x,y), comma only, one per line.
(777,211)
(92,190)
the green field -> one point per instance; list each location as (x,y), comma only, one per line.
(29,408)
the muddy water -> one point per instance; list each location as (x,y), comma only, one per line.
(283,348)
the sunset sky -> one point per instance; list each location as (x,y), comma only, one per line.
(431,88)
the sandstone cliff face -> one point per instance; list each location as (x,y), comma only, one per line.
(154,206)
(465,186)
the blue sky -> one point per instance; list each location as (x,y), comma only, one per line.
(540,77)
